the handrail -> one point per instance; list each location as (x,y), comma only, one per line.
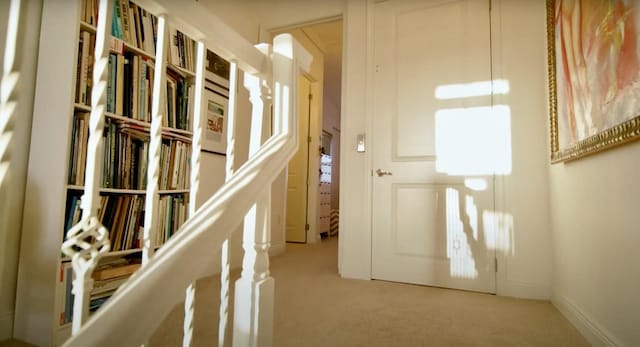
(202,25)
(160,284)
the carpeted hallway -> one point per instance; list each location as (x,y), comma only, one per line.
(315,307)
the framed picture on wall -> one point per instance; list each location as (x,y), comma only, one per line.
(214,139)
(594,75)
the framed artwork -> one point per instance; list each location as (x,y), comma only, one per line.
(594,75)
(214,139)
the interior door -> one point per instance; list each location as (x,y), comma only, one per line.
(432,64)
(297,171)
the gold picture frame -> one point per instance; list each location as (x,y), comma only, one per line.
(603,128)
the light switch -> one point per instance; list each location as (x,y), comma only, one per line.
(361,143)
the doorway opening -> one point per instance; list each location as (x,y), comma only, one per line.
(310,186)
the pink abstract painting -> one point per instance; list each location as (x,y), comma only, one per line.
(597,66)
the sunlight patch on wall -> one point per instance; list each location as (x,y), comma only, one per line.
(468,90)
(461,262)
(477,184)
(473,141)
(498,232)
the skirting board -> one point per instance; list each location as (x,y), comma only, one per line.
(276,249)
(522,290)
(592,331)
(6,325)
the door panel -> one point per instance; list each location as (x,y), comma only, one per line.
(427,225)
(297,171)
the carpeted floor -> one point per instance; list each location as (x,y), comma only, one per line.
(315,307)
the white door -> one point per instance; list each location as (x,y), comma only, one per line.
(429,227)
(297,171)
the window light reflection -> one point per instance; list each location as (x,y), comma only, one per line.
(473,141)
(468,90)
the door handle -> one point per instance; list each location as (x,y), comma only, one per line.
(383,173)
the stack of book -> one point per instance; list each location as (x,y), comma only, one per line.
(125,157)
(175,161)
(78,158)
(172,212)
(129,86)
(89,12)
(122,215)
(182,50)
(84,67)
(180,101)
(135,26)
(108,276)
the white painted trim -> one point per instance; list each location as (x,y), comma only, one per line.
(520,289)
(588,327)
(277,249)
(6,325)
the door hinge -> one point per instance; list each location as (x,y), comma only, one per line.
(309,139)
(310,96)
(306,227)
(495,262)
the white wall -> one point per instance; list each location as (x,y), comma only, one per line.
(519,56)
(13,193)
(355,180)
(256,20)
(331,112)
(596,281)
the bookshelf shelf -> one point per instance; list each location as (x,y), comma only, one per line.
(88,27)
(174,191)
(81,107)
(130,191)
(112,254)
(186,134)
(182,71)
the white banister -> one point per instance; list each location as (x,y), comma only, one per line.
(196,146)
(160,284)
(253,309)
(9,91)
(88,240)
(200,24)
(155,140)
(225,256)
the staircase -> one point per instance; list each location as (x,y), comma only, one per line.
(167,276)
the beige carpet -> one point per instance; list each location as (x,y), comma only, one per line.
(315,307)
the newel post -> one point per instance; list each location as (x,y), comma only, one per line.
(253,308)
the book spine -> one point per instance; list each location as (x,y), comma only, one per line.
(124,14)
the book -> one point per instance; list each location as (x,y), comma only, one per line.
(115,271)
(120,84)
(124,16)
(108,285)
